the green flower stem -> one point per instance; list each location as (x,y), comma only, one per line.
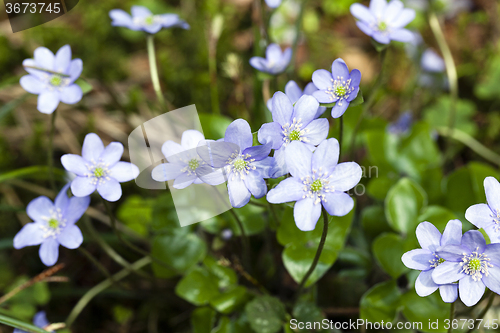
(82,303)
(451,69)
(341,135)
(483,313)
(452,316)
(50,153)
(20,325)
(154,70)
(246,243)
(110,251)
(369,101)
(212,70)
(317,256)
(298,26)
(128,243)
(94,261)
(470,142)
(32,170)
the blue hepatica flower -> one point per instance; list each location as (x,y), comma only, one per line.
(99,168)
(184,162)
(293,92)
(487,216)
(432,62)
(275,61)
(339,86)
(473,264)
(54,225)
(292,123)
(402,125)
(426,259)
(143,19)
(316,180)
(244,166)
(384,21)
(51,87)
(273,3)
(39,320)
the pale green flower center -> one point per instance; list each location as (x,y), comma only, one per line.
(294,135)
(56,80)
(193,164)
(340,91)
(53,223)
(99,172)
(316,185)
(149,20)
(240,164)
(474,264)
(382,26)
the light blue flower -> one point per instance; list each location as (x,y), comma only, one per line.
(432,62)
(292,123)
(39,320)
(143,19)
(384,21)
(487,216)
(275,61)
(473,264)
(273,3)
(317,180)
(99,168)
(402,125)
(52,88)
(244,166)
(54,225)
(339,86)
(426,259)
(293,92)
(184,163)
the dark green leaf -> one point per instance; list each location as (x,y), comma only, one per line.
(380,302)
(202,320)
(388,250)
(265,314)
(199,286)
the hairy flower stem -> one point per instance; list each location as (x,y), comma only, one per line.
(245,241)
(341,135)
(50,152)
(451,70)
(317,256)
(452,316)
(369,101)
(154,70)
(128,243)
(82,303)
(483,313)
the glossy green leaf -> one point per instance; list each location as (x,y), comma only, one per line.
(136,212)
(380,302)
(199,286)
(203,319)
(403,205)
(437,215)
(265,314)
(214,126)
(227,276)
(179,250)
(438,114)
(374,221)
(84,85)
(425,310)
(388,249)
(230,299)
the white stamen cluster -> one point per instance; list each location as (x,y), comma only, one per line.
(98,171)
(475,264)
(240,165)
(55,82)
(294,132)
(191,165)
(496,219)
(317,185)
(148,20)
(339,89)
(53,224)
(436,261)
